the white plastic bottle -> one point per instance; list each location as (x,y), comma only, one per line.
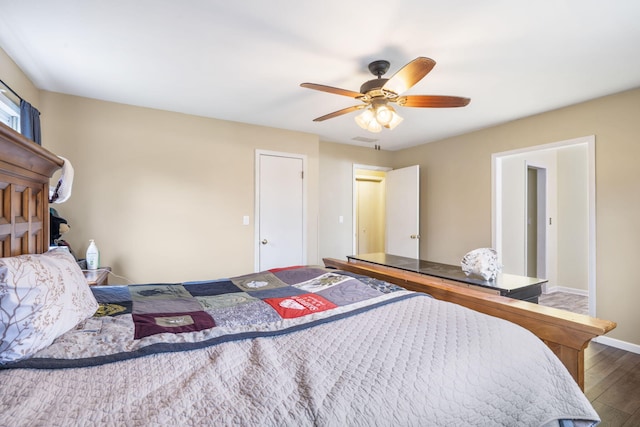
(93,256)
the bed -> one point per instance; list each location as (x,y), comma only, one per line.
(300,345)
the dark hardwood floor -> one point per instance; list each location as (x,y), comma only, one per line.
(612,384)
(611,377)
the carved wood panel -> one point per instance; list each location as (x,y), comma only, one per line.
(24,219)
(25,169)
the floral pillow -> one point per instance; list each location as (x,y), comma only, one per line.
(41,297)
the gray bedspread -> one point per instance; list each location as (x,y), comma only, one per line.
(412,362)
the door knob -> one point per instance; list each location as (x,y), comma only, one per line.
(264,241)
(415,236)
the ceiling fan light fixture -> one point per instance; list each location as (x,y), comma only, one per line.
(363,119)
(384,114)
(374,118)
(378,93)
(395,121)
(374,126)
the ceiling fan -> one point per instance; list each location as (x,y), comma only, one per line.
(377,95)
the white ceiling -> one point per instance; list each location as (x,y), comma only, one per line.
(244,60)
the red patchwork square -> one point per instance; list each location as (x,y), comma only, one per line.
(299,305)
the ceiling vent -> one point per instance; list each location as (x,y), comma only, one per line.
(364,139)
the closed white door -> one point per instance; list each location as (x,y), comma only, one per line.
(403,212)
(279,211)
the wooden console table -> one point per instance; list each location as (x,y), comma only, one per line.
(507,285)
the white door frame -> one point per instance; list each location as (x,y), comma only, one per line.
(256,227)
(354,200)
(496,202)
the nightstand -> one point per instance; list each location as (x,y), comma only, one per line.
(97,277)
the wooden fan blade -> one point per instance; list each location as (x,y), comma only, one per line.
(409,75)
(432,101)
(330,89)
(339,113)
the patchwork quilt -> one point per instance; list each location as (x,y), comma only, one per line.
(253,299)
(299,347)
(138,320)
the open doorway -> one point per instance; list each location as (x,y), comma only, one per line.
(564,243)
(386,210)
(370,211)
(536,237)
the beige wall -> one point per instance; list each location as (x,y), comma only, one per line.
(163,194)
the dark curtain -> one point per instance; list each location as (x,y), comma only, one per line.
(30,122)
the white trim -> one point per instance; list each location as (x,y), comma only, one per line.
(591,162)
(549,146)
(9,112)
(256,215)
(496,202)
(371,167)
(622,345)
(8,106)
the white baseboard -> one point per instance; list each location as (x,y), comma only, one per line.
(582,292)
(622,345)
